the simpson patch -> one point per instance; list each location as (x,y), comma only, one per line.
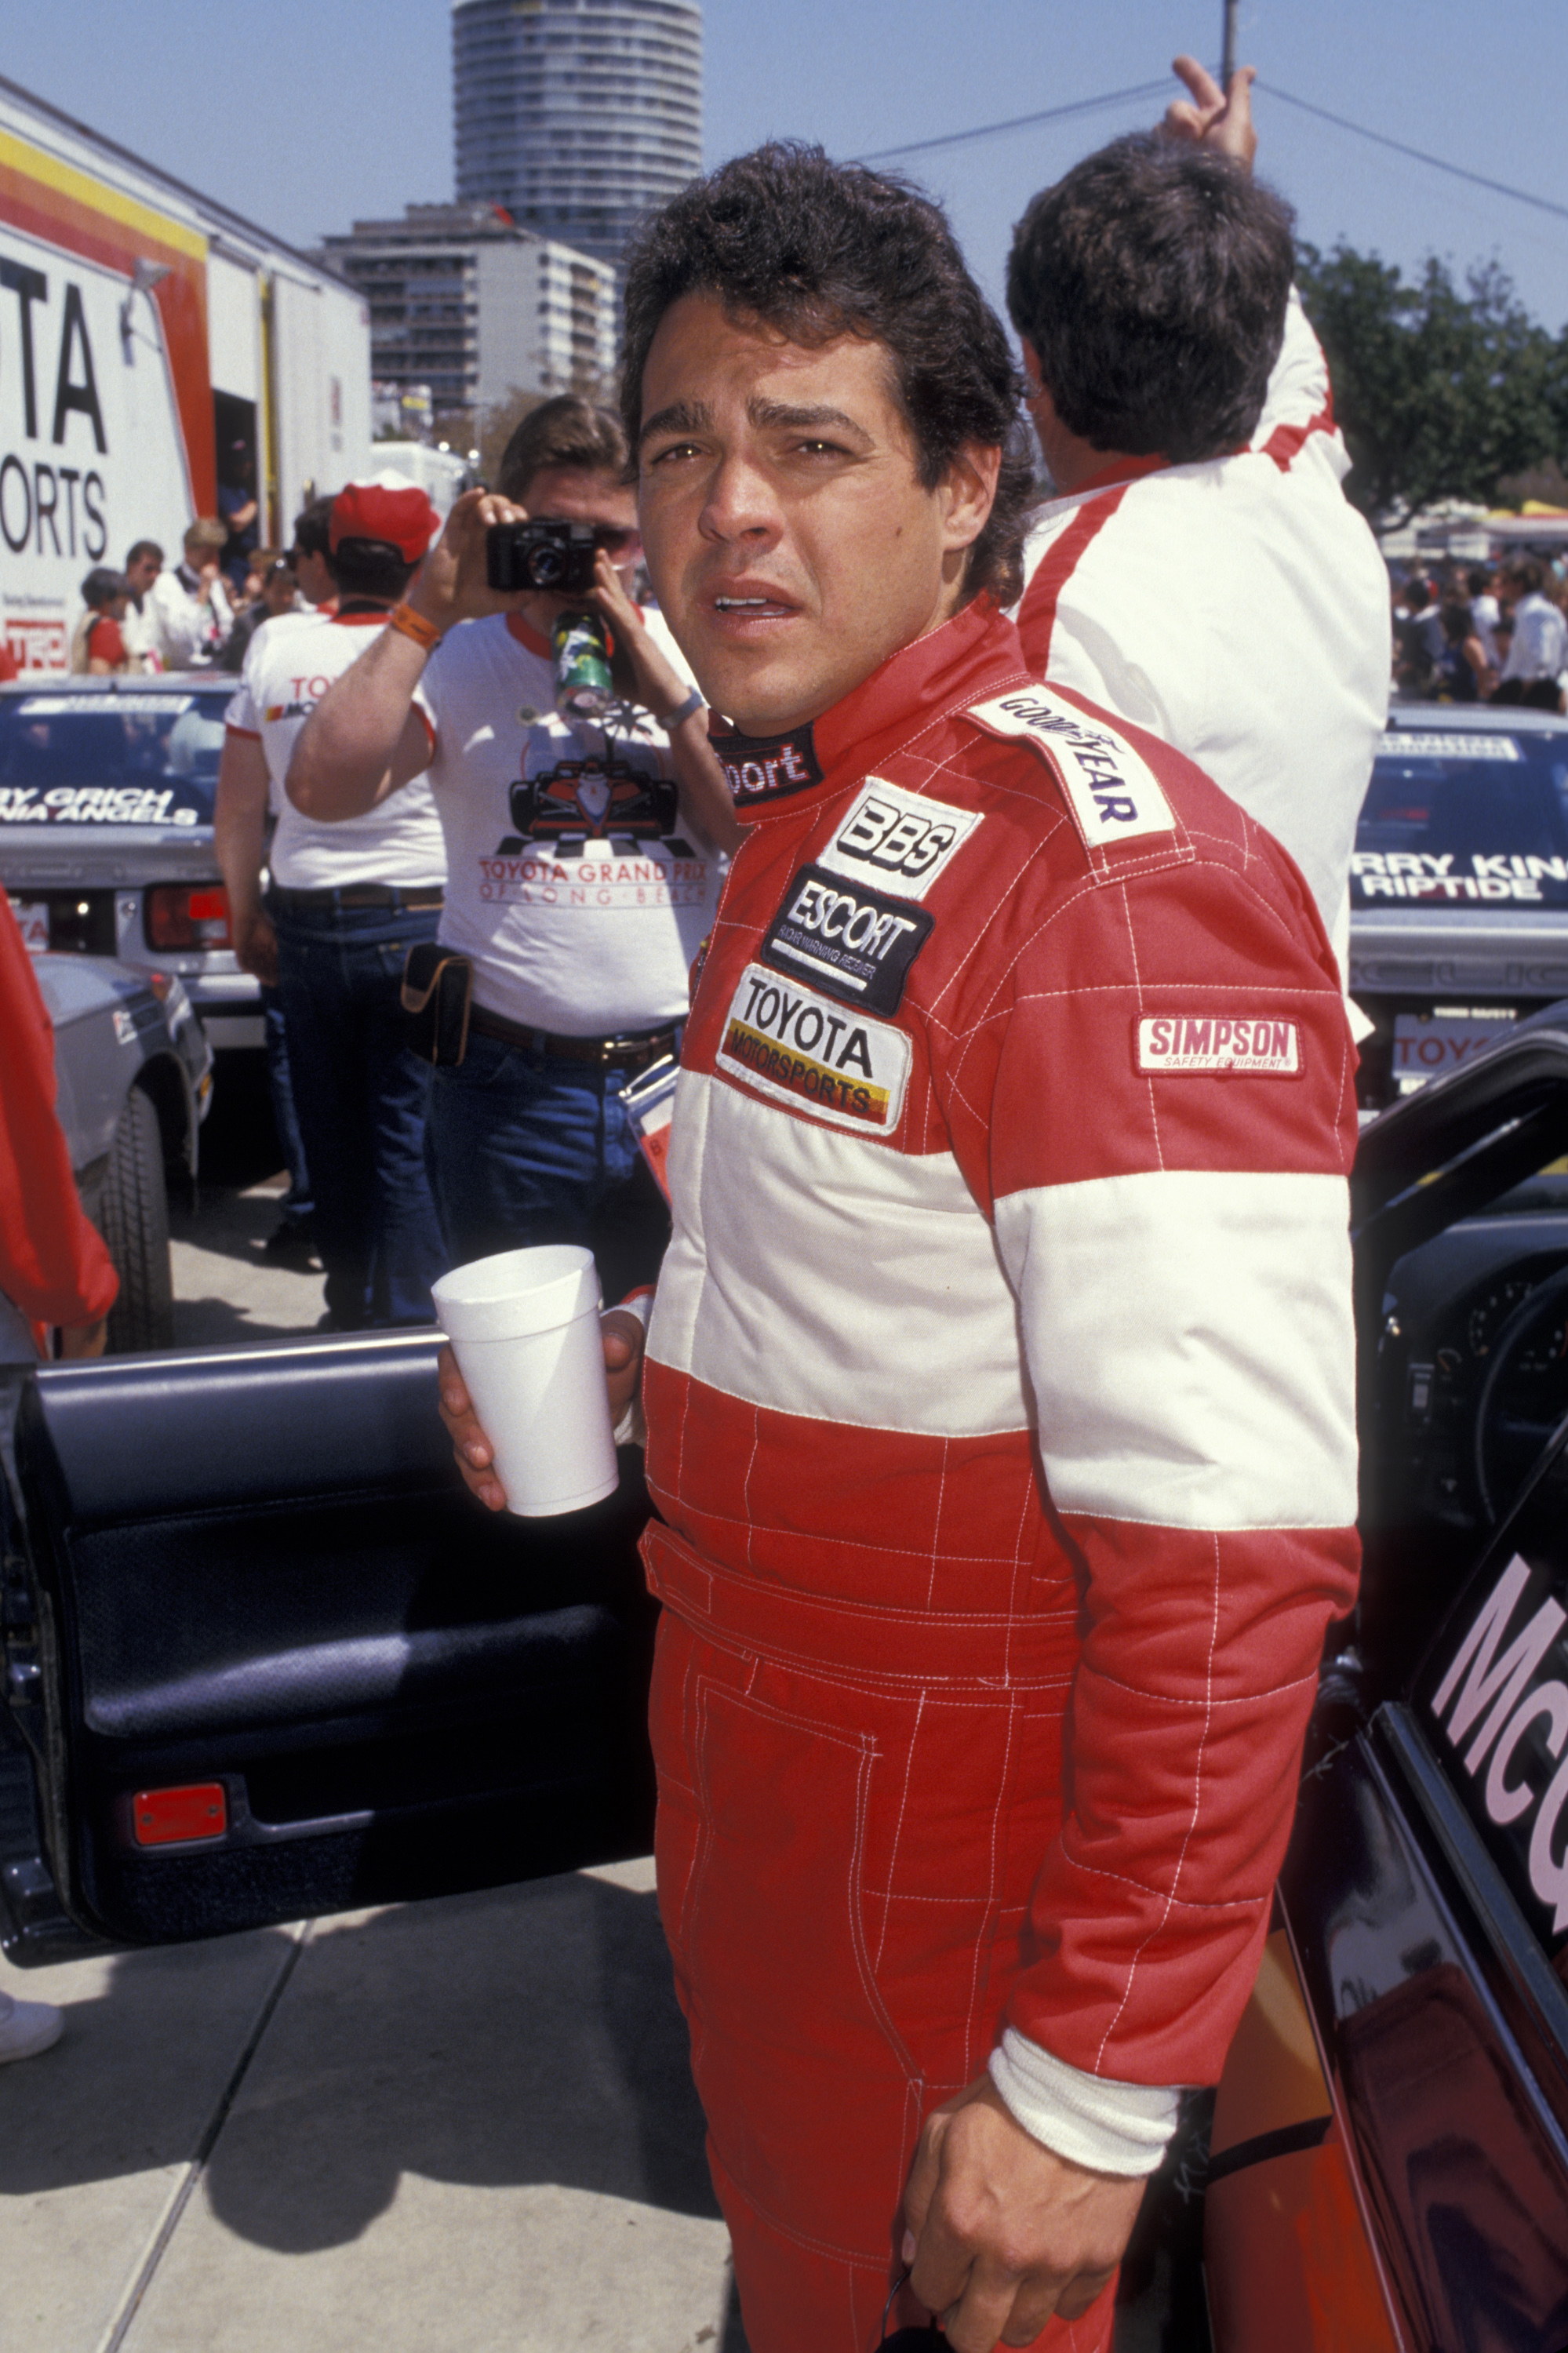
(1110,789)
(802,1048)
(900,841)
(854,941)
(1215,1041)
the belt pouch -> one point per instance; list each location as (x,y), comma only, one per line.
(437,990)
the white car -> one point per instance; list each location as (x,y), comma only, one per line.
(106,842)
(1458,888)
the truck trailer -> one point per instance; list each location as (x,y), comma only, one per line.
(153,343)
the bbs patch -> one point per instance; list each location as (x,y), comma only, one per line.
(897,841)
(851,940)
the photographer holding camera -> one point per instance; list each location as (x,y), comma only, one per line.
(582,837)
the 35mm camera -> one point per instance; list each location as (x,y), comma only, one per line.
(548,554)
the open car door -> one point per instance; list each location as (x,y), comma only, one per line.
(1389,2159)
(267,1658)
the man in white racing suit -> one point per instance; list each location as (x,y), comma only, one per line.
(1200,570)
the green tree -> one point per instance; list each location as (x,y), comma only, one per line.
(1440,390)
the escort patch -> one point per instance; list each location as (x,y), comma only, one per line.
(898,841)
(1212,1041)
(758,771)
(1111,789)
(855,943)
(791,1043)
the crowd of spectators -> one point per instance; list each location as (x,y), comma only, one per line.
(1483,633)
(199,614)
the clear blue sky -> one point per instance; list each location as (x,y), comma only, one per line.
(302,113)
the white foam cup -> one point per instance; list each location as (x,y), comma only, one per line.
(524,1330)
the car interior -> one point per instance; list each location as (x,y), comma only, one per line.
(269,1659)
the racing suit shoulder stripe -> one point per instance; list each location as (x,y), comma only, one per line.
(1114,1277)
(1037,612)
(1286,441)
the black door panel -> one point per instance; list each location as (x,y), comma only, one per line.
(257,1577)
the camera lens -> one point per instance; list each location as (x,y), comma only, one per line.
(545,566)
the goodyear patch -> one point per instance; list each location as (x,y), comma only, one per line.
(813,1055)
(1111,789)
(1186,1043)
(897,841)
(856,943)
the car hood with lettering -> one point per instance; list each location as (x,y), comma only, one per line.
(1491,1700)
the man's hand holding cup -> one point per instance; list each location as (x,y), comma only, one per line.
(622,1338)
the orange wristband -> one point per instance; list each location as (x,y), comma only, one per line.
(410,624)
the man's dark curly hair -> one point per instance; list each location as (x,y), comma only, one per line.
(1152,283)
(817,249)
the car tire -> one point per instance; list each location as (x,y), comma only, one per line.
(134,1217)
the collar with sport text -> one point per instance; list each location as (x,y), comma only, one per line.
(760,769)
(975,653)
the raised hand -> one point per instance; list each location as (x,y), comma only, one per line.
(1212,117)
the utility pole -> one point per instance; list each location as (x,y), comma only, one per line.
(1228,50)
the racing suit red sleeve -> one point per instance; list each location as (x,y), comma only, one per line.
(1173,1222)
(54,1266)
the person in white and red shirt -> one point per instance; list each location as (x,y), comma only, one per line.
(346,903)
(582,866)
(187,613)
(1200,571)
(999,1381)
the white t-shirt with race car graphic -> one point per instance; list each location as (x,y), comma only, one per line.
(291,663)
(570,881)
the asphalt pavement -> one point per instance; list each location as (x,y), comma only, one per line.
(435,2129)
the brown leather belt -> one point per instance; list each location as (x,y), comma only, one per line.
(357,894)
(633,1052)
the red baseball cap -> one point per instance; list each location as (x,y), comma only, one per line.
(391,509)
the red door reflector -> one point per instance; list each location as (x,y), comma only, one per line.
(170,1816)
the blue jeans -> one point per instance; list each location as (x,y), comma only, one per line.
(524,1149)
(361,1097)
(296,1204)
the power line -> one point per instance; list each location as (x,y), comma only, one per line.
(1438,162)
(1022,121)
(1152,89)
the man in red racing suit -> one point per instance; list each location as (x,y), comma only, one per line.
(1077,1183)
(998,1384)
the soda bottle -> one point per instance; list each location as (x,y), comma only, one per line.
(581,644)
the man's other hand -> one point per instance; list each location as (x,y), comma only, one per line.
(256,948)
(999,2231)
(1216,118)
(622,1338)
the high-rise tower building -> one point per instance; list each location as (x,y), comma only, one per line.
(578,116)
(467,305)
